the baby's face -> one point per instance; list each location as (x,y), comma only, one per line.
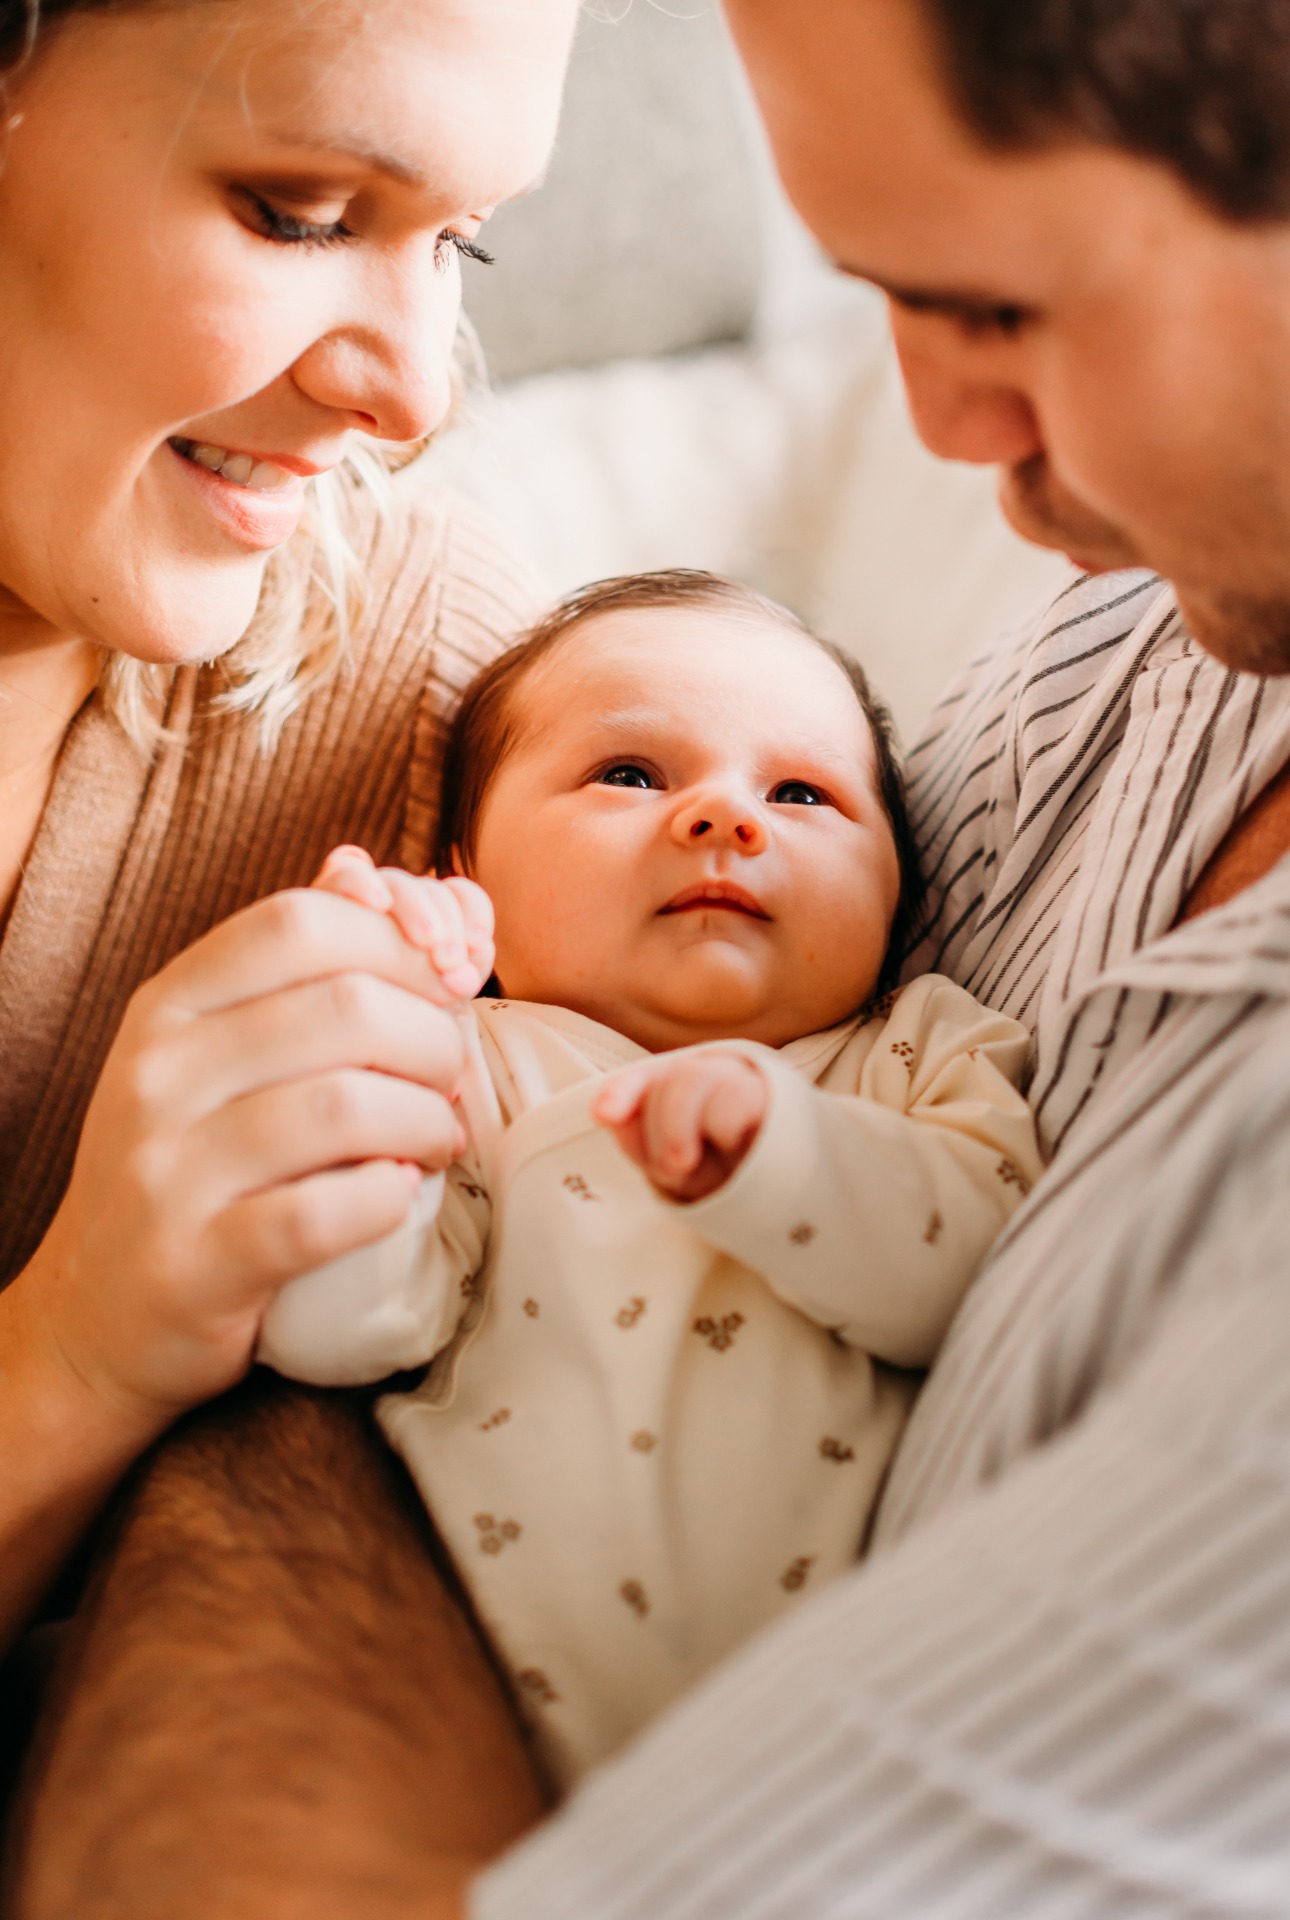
(687,841)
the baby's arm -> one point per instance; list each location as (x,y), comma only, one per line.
(394,1304)
(871,1210)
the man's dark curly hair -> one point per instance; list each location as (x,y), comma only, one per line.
(1200,85)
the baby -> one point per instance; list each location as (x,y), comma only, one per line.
(713,1197)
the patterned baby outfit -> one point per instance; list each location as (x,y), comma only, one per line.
(648,1427)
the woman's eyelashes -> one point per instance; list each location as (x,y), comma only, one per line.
(284,229)
(468,249)
(288,229)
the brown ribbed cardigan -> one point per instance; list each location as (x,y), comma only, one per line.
(134,859)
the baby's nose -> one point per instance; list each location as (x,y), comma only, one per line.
(723,820)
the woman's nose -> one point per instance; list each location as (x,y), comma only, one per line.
(389,365)
(964,408)
(720,818)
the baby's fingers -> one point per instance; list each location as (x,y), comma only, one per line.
(735,1109)
(431,917)
(620,1096)
(672,1120)
(350,872)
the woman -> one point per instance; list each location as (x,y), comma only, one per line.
(229,239)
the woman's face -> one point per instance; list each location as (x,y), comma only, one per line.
(233,229)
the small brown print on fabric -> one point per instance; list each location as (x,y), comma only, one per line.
(497,1419)
(903,1050)
(643,1442)
(532,1309)
(1012,1176)
(719,1334)
(628,1316)
(880,1008)
(802,1234)
(794,1578)
(535,1682)
(935,1228)
(634,1594)
(835,1450)
(471,1190)
(496,1534)
(577,1185)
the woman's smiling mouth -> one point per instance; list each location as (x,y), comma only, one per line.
(240,469)
(717,893)
(257,502)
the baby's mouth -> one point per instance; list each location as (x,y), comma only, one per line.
(239,469)
(717,893)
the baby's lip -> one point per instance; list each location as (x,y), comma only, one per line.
(716,893)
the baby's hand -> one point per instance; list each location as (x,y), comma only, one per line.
(450,920)
(686,1119)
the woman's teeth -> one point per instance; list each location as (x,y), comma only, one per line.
(261,476)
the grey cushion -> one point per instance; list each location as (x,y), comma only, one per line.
(644,237)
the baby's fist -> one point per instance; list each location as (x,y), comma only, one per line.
(686,1119)
(451,920)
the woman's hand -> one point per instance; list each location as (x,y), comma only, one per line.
(686,1119)
(268,1105)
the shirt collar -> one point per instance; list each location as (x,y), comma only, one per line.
(1241,947)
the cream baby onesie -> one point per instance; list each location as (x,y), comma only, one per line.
(649,1427)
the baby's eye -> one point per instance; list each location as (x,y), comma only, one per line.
(626,773)
(797,793)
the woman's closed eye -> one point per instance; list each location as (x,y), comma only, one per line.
(289,230)
(797,793)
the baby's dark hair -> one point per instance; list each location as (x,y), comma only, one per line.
(484,729)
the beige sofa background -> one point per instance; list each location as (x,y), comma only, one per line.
(679,379)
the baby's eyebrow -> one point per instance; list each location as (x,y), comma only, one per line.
(636,721)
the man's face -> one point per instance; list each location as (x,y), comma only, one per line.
(1073,315)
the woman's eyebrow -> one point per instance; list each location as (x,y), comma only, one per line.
(358,151)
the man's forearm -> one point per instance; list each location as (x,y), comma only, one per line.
(274,1704)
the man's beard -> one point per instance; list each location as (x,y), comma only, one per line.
(1242,631)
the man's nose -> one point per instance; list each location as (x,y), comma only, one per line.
(388,366)
(720,817)
(963,407)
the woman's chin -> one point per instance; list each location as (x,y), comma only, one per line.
(188,617)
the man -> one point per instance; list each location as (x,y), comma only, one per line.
(1059,1683)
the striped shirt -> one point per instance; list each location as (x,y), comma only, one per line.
(1060,1684)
